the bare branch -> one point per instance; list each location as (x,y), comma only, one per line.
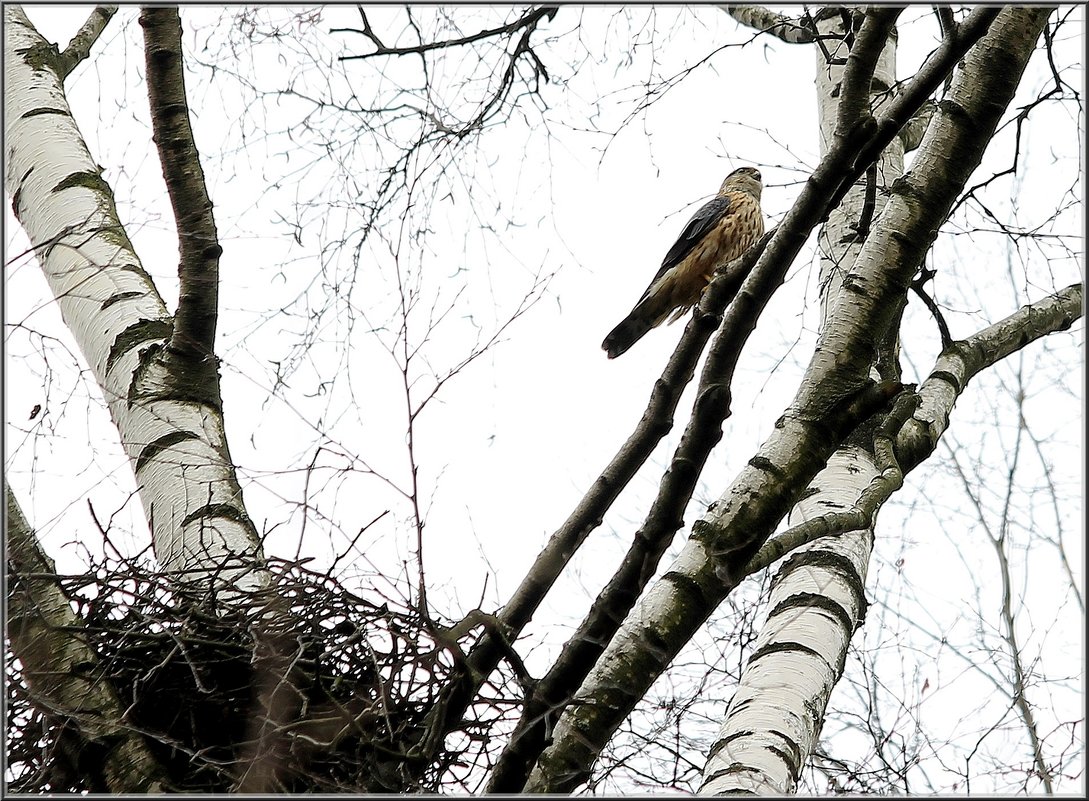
(655,423)
(792,30)
(80,47)
(193,339)
(861,227)
(966,358)
(1018,682)
(665,517)
(854,100)
(932,306)
(528,22)
(946,23)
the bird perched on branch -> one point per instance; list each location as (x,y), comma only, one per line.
(723,229)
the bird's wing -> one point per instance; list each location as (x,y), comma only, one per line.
(696,229)
(702,222)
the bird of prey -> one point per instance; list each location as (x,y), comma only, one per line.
(723,229)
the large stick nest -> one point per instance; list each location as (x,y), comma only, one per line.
(319,688)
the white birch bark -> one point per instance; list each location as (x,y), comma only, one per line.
(58,666)
(839,247)
(774,718)
(176,443)
(706,568)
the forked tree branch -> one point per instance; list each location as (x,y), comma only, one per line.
(864,511)
(80,47)
(712,563)
(529,21)
(965,359)
(1019,682)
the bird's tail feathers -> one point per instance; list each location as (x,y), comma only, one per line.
(630,331)
(645,316)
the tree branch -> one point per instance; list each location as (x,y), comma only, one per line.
(964,359)
(656,422)
(864,511)
(527,24)
(932,306)
(665,517)
(193,339)
(792,30)
(529,21)
(80,47)
(726,539)
(869,140)
(854,98)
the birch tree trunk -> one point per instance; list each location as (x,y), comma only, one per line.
(774,719)
(58,666)
(723,543)
(817,597)
(163,398)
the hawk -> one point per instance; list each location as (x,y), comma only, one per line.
(723,229)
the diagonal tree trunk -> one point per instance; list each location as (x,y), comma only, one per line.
(817,601)
(869,305)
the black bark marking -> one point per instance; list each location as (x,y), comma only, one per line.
(89,179)
(809,600)
(768,466)
(139,332)
(222,510)
(686,585)
(120,296)
(949,378)
(153,449)
(719,744)
(35,112)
